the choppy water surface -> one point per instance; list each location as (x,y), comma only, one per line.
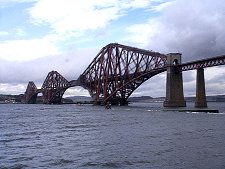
(85,136)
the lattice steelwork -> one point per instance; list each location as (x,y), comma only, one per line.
(210,62)
(113,75)
(53,88)
(118,70)
(30,93)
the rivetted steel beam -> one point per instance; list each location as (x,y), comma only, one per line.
(30,94)
(118,70)
(53,88)
(203,63)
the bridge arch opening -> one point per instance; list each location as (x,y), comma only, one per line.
(39,98)
(76,94)
(175,62)
(154,87)
(215,81)
(214,84)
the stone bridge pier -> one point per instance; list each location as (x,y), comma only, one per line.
(200,101)
(174,83)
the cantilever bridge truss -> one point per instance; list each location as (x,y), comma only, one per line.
(113,75)
(118,70)
(54,87)
(30,93)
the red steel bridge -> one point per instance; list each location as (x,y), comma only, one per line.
(115,73)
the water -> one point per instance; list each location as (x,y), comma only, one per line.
(134,137)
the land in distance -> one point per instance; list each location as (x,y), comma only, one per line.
(86,99)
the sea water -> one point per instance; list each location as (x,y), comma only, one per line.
(138,136)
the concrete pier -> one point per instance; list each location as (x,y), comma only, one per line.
(200,101)
(174,83)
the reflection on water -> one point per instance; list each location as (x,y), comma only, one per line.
(86,136)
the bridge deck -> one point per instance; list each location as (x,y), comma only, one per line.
(204,63)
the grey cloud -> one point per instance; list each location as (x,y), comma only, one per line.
(218,78)
(195,28)
(70,65)
(189,76)
(216,85)
(155,87)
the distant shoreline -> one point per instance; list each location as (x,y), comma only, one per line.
(15,99)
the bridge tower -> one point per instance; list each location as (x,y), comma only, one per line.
(174,82)
(30,95)
(53,88)
(118,70)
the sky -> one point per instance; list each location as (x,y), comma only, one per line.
(38,36)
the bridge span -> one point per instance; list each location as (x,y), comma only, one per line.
(118,70)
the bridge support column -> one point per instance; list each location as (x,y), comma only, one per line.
(200,101)
(174,83)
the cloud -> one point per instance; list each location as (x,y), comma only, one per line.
(76,91)
(6,88)
(20,32)
(70,65)
(161,6)
(15,75)
(194,28)
(152,87)
(69,22)
(15,50)
(214,81)
(75,17)
(3,33)
(141,33)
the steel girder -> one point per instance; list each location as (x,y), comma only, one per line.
(118,70)
(204,63)
(53,88)
(30,94)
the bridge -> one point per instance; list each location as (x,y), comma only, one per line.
(118,70)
